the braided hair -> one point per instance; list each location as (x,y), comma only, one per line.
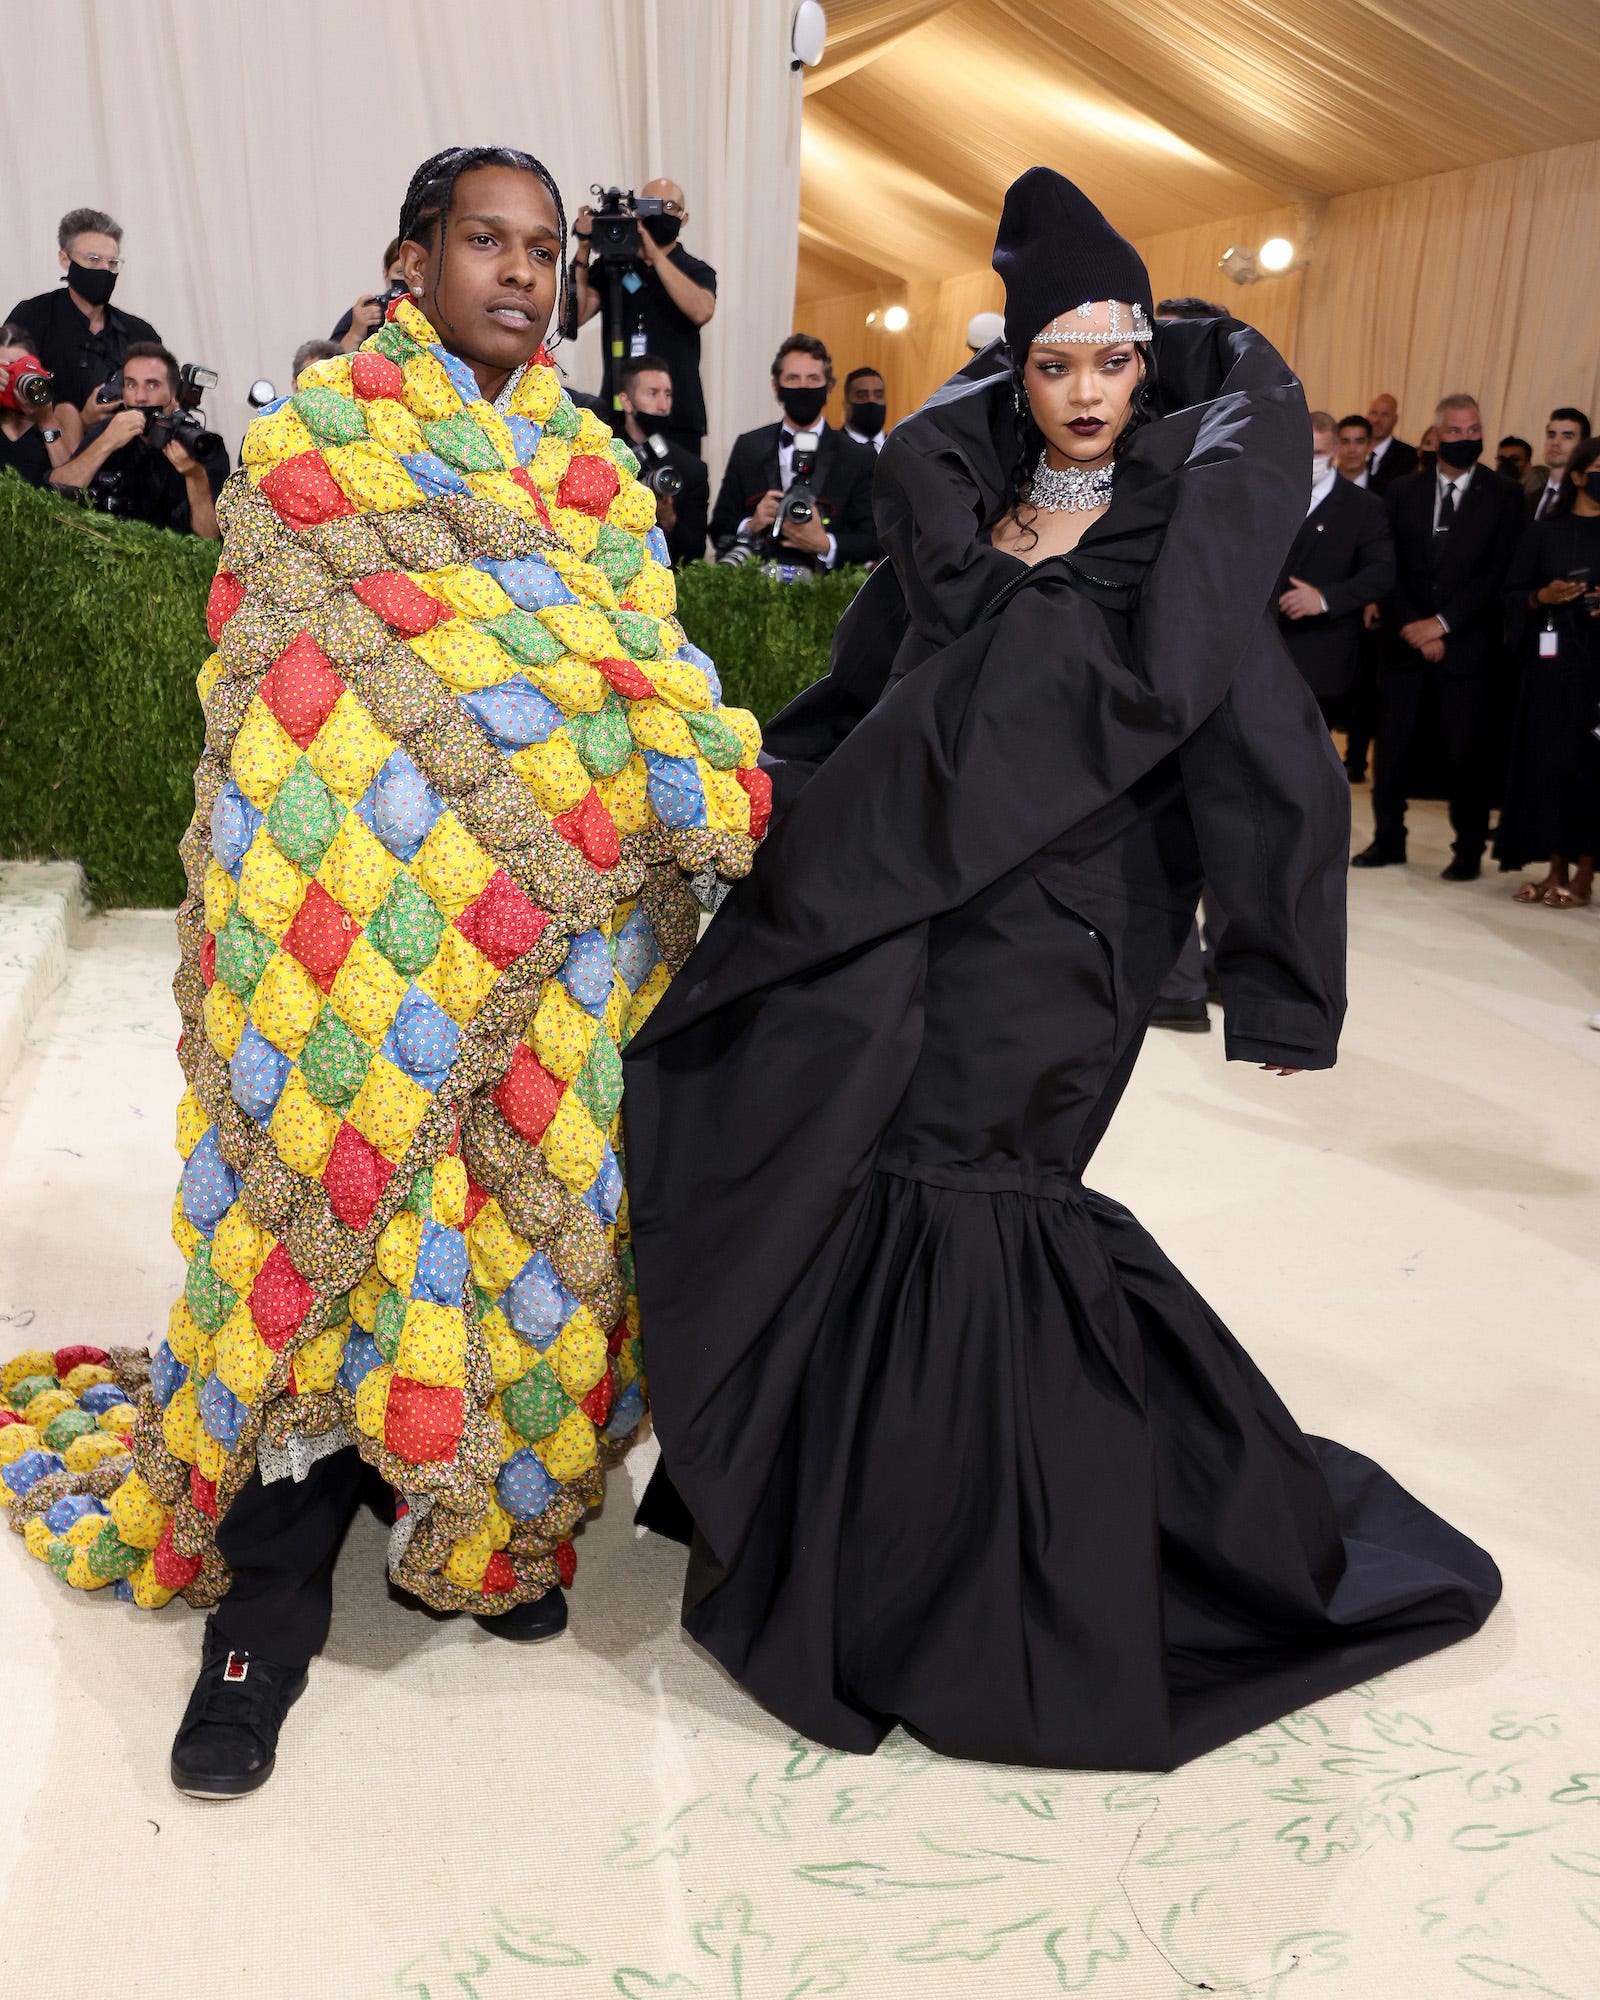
(425,212)
(1030,439)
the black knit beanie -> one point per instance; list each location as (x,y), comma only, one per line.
(1054,251)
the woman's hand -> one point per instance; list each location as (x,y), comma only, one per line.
(1559,590)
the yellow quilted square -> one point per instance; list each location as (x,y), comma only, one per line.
(570,1448)
(582,531)
(627,796)
(579,1355)
(460,977)
(184,1233)
(450,1191)
(583,577)
(493,425)
(85,1376)
(366,992)
(572,684)
(615,1017)
(463,657)
(244,1360)
(652,591)
(180,1424)
(553,771)
(92,1449)
(496,1251)
(655,726)
(747,729)
(302,1129)
(430,394)
(208,1455)
(548,466)
(207,678)
(147,1593)
(262,754)
(220,894)
(681,683)
(392,425)
(222,1015)
(504,491)
(271,888)
(316,1361)
(509,1357)
(451,866)
(562,1032)
(364,1297)
(573,1145)
(627,1364)
(16,1439)
(370,477)
(272,438)
(347,750)
(644,1001)
(331,372)
(372,1400)
(357,869)
(433,1345)
(286,1003)
(239,1248)
(536,395)
(634,508)
(468,1561)
(193,1123)
(594,436)
(466,589)
(396,1254)
(183,1332)
(388,1108)
(727,801)
(139,1516)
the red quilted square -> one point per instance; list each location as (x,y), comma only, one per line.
(227,594)
(592,830)
(68,1358)
(355,1178)
(374,375)
(500,1575)
(619,1334)
(8,1417)
(208,960)
(596,1406)
(528,1094)
(590,485)
(566,1564)
(759,786)
(501,921)
(203,1492)
(520,477)
(303,491)
(631,682)
(301,687)
(321,935)
(400,602)
(421,1424)
(172,1571)
(279,1299)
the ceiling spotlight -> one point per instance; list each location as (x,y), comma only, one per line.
(872,319)
(896,319)
(1239,264)
(808,35)
(1276,254)
(982,328)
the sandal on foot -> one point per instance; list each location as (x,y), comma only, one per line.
(1559,897)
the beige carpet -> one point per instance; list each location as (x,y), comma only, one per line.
(1409,1248)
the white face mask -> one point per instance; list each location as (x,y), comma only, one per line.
(1321,466)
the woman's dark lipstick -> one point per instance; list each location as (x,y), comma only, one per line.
(1086,426)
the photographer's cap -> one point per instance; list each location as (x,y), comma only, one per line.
(1055,251)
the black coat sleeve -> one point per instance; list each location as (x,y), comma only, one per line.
(1372,576)
(730,508)
(1271,812)
(687,542)
(1402,606)
(852,524)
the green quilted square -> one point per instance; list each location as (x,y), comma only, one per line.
(462,443)
(390,340)
(334,1061)
(407,928)
(618,553)
(564,420)
(625,456)
(304,817)
(386,1324)
(524,638)
(537,1404)
(420,1199)
(599,1082)
(242,954)
(59,1556)
(109,1555)
(602,739)
(330,417)
(717,742)
(640,636)
(485,1299)
(209,1299)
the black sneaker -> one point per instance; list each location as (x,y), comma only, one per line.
(1461,871)
(227,1743)
(1379,856)
(1189,1017)
(542,1618)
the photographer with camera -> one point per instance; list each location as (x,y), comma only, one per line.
(797,492)
(678,478)
(653,297)
(34,436)
(152,459)
(368,312)
(76,332)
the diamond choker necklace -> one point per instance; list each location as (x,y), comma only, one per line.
(1071,490)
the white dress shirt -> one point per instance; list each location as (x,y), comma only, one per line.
(1361,479)
(785,481)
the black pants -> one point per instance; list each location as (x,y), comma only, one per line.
(1465,712)
(281,1540)
(1356,710)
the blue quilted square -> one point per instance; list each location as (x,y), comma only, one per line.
(692,654)
(71,1507)
(536,1302)
(257,1074)
(673,786)
(167,1375)
(221,1412)
(524,1487)
(210,1186)
(627,1412)
(431,473)
(422,1040)
(441,1273)
(586,971)
(361,1356)
(514,714)
(233,826)
(102,1396)
(24,1473)
(525,435)
(530,584)
(604,1194)
(656,543)
(400,807)
(636,950)
(462,379)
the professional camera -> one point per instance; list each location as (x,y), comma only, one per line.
(799,503)
(32,386)
(656,470)
(386,298)
(614,227)
(185,423)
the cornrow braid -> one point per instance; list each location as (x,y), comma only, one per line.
(425,212)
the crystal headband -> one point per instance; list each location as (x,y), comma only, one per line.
(1140,329)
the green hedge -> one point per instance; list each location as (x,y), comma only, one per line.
(102,632)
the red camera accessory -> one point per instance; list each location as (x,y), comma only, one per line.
(31,387)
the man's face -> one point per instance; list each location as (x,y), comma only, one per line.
(1382,416)
(502,262)
(649,394)
(1561,439)
(146,384)
(668,191)
(94,251)
(1454,425)
(1514,458)
(868,389)
(1354,449)
(1324,443)
(800,371)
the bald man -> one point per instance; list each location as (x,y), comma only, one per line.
(664,298)
(1391,458)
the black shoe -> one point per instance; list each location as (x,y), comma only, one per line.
(227,1743)
(543,1618)
(1461,871)
(1379,856)
(1189,1017)
(1356,773)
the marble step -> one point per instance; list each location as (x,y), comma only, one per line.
(43,907)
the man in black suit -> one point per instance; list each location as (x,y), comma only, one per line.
(1456,528)
(760,469)
(1341,560)
(1391,457)
(1565,431)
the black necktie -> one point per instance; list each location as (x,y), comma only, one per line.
(1447,510)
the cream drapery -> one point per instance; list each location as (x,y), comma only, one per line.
(256,155)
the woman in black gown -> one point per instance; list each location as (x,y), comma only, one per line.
(1552,808)
(960,1449)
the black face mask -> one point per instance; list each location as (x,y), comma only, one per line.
(867,418)
(1508,468)
(95,286)
(1459,453)
(662,229)
(802,406)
